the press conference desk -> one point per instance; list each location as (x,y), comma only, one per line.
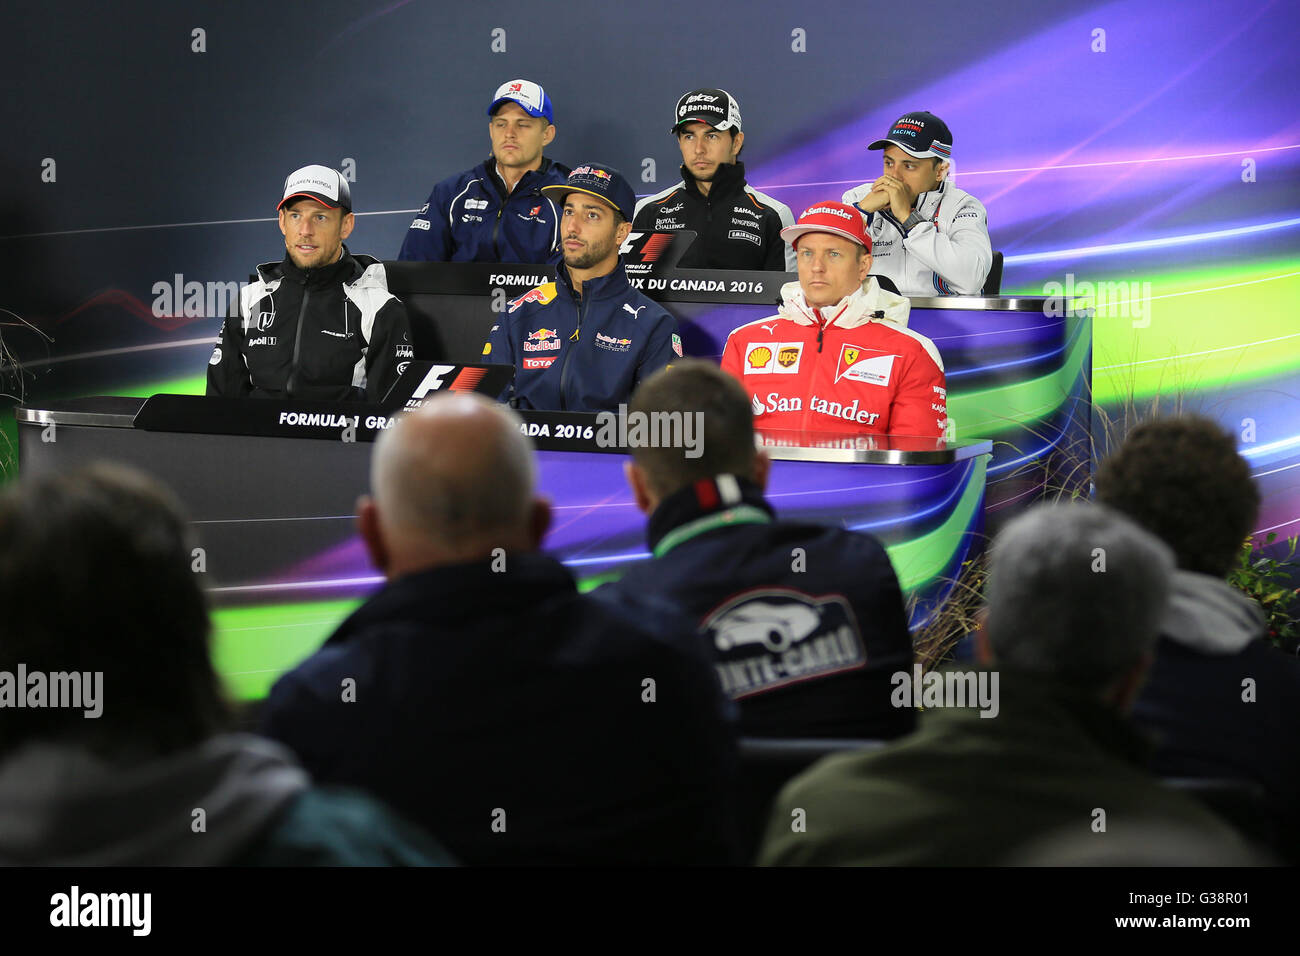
(272,506)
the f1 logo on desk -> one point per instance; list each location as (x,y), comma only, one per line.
(420,379)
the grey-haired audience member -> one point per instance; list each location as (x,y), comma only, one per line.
(96,581)
(1075,597)
(1220,701)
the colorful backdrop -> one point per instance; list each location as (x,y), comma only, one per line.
(1145,155)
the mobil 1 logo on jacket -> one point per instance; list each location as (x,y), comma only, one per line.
(768,638)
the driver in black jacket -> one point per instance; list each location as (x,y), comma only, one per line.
(737,226)
(321,324)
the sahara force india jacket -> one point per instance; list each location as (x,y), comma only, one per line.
(583,352)
(947,253)
(329,334)
(737,226)
(471,218)
(854,366)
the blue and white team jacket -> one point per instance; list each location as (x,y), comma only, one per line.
(470,218)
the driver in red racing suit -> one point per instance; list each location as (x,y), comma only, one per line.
(838,356)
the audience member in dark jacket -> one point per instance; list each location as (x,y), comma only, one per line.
(806,621)
(96,585)
(1221,701)
(480,694)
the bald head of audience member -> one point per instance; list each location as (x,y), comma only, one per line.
(450,483)
(726,444)
(1075,595)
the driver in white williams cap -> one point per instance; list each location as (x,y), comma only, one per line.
(929,237)
(321,324)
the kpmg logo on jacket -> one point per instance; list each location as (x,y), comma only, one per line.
(769,637)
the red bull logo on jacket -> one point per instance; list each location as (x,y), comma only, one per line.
(542,295)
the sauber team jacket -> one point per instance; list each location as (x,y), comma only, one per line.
(807,652)
(583,352)
(471,218)
(854,366)
(329,334)
(947,253)
(738,227)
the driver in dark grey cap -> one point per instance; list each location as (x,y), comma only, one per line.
(738,227)
(928,236)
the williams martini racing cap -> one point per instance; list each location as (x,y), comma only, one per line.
(529,95)
(326,186)
(919,134)
(833,217)
(718,108)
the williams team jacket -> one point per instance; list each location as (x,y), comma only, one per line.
(738,227)
(850,367)
(584,353)
(329,334)
(948,253)
(806,647)
(471,218)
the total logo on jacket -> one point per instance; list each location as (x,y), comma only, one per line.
(854,366)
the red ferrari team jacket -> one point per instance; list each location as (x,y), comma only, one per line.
(854,367)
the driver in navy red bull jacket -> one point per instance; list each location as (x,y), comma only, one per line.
(585,341)
(496,212)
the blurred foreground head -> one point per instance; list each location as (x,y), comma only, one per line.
(1183,480)
(1075,594)
(96,577)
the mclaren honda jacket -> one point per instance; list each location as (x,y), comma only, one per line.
(471,218)
(738,227)
(946,253)
(585,352)
(329,334)
(806,650)
(854,366)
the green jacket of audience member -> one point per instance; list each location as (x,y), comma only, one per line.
(966,790)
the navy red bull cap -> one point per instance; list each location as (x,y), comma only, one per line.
(603,182)
(919,134)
